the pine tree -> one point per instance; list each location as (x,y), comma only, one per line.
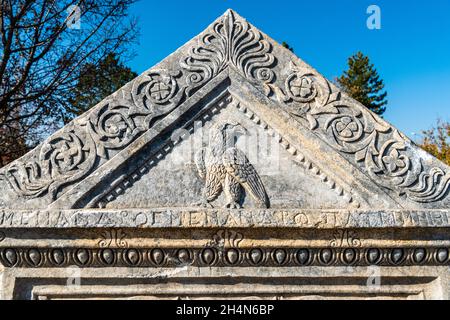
(362,82)
(96,83)
(287,46)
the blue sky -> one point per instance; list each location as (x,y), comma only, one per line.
(411,51)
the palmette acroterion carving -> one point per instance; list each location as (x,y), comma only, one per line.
(230,42)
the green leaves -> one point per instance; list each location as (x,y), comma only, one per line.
(437,141)
(362,82)
(97,82)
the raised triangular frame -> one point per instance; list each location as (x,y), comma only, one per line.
(339,139)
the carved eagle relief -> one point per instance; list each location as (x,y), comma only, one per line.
(225,168)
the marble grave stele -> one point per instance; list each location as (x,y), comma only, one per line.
(232,169)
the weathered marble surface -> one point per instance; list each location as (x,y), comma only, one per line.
(230,62)
(230,158)
(189,284)
(221,218)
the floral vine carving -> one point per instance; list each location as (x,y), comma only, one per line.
(229,42)
(64,158)
(384,153)
(71,154)
(379,149)
(345,239)
(113,238)
(226,239)
(74,152)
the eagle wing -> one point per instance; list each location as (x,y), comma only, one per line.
(200,163)
(237,165)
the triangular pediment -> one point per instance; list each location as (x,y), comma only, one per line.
(169,176)
(334,152)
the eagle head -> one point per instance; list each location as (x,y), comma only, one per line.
(223,135)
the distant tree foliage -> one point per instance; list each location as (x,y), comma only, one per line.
(44,45)
(437,141)
(97,82)
(362,82)
(287,46)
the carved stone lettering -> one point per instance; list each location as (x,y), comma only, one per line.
(230,169)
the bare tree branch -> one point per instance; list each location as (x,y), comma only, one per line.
(42,57)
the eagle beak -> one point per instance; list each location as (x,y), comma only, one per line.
(240,130)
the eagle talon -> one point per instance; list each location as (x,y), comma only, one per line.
(233,205)
(203,204)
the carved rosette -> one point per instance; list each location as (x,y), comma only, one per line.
(112,127)
(305,94)
(71,154)
(380,150)
(64,158)
(156,93)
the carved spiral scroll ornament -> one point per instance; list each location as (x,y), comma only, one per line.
(112,127)
(226,239)
(64,158)
(345,239)
(156,93)
(71,154)
(113,238)
(384,153)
